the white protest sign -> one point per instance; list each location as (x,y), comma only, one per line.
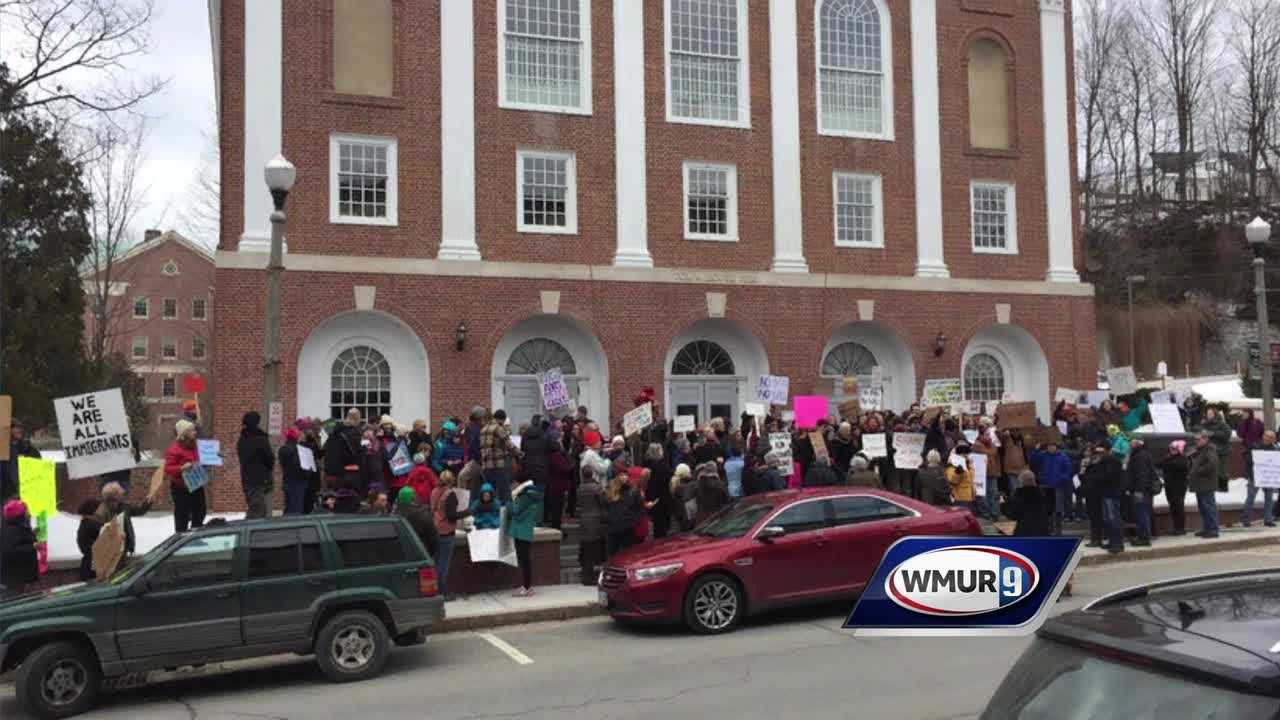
(1095,398)
(1067,395)
(909,451)
(1166,418)
(554,393)
(774,389)
(306,458)
(959,408)
(941,392)
(971,436)
(1164,397)
(95,433)
(1122,380)
(1062,427)
(683,424)
(979,474)
(780,443)
(871,398)
(637,419)
(873,446)
(755,409)
(209,452)
(1266,468)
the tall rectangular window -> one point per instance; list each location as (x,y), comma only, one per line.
(362,180)
(168,388)
(199,347)
(545,46)
(199,309)
(994,218)
(141,308)
(855,69)
(169,348)
(547,190)
(706,61)
(170,310)
(710,202)
(859,213)
(140,347)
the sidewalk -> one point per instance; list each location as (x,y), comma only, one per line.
(554,602)
(1230,538)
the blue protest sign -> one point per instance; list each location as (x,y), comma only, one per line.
(210,452)
(195,477)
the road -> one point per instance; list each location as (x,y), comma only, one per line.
(794,664)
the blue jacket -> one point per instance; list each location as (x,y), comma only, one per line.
(525,511)
(1051,469)
(487,516)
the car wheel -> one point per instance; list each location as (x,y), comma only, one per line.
(58,680)
(714,604)
(353,645)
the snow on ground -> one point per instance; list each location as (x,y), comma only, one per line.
(149,531)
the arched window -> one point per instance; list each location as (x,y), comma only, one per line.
(360,379)
(990,116)
(854,68)
(702,357)
(983,378)
(848,359)
(538,356)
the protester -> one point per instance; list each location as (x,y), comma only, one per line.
(87,535)
(711,492)
(450,452)
(1142,483)
(658,490)
(19,563)
(343,454)
(1202,477)
(861,474)
(535,448)
(311,440)
(1013,458)
(820,474)
(841,449)
(559,478)
(591,513)
(1266,442)
(376,503)
(526,508)
(624,510)
(372,480)
(985,445)
(19,446)
(1174,468)
(114,505)
(1220,435)
(734,469)
(486,509)
(446,513)
(419,439)
(1053,472)
(292,476)
(421,520)
(256,464)
(960,477)
(497,452)
(188,505)
(684,498)
(1120,445)
(934,487)
(1030,508)
(471,434)
(421,479)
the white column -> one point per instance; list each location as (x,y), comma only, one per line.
(928,139)
(784,91)
(263,108)
(629,135)
(457,132)
(1057,139)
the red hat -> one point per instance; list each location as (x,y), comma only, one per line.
(591,438)
(188,405)
(292,434)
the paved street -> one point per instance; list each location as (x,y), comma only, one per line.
(796,664)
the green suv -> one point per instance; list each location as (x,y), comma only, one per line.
(341,586)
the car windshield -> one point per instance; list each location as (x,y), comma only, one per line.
(734,521)
(133,565)
(1053,681)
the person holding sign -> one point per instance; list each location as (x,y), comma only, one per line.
(1266,444)
(114,505)
(295,479)
(188,505)
(960,477)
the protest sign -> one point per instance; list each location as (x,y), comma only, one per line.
(275,419)
(755,409)
(809,410)
(683,424)
(6,425)
(780,443)
(195,477)
(1016,415)
(484,545)
(210,452)
(788,416)
(1122,380)
(850,409)
(306,458)
(774,389)
(849,384)
(873,446)
(1067,395)
(819,445)
(1062,426)
(194,384)
(971,436)
(1166,418)
(1044,435)
(1095,398)
(979,474)
(942,392)
(871,398)
(930,414)
(960,408)
(108,548)
(554,393)
(95,433)
(39,487)
(1164,397)
(637,419)
(1266,468)
(877,376)
(908,450)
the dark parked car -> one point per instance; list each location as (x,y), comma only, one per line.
(768,551)
(342,587)
(1191,649)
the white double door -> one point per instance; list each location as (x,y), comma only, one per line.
(522,399)
(706,399)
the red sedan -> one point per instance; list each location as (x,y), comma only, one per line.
(769,551)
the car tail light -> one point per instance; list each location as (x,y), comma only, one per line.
(427,586)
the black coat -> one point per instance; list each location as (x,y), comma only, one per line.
(1029,507)
(1174,468)
(1105,478)
(591,510)
(1142,471)
(623,513)
(536,447)
(841,452)
(291,471)
(18,563)
(9,468)
(658,488)
(821,476)
(256,459)
(342,449)
(424,526)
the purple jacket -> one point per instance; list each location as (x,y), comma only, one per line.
(1250,432)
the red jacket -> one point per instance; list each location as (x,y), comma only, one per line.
(422,480)
(174,458)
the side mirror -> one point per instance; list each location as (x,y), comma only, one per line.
(769,532)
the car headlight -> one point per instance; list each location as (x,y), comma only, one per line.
(656,572)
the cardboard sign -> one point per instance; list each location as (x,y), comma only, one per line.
(306,458)
(850,409)
(683,424)
(871,398)
(108,548)
(873,446)
(1045,435)
(809,410)
(1122,380)
(908,450)
(1266,468)
(6,425)
(780,443)
(1166,418)
(942,392)
(1067,395)
(930,414)
(1017,415)
(849,385)
(210,452)
(979,474)
(95,433)
(774,389)
(554,393)
(39,487)
(637,419)
(194,384)
(819,444)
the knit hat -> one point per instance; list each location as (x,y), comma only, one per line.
(406,496)
(386,420)
(292,435)
(591,438)
(14,509)
(188,405)
(251,419)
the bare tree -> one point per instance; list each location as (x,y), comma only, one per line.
(1255,57)
(1095,61)
(204,193)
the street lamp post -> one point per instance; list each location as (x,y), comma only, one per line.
(1258,233)
(1131,281)
(280,175)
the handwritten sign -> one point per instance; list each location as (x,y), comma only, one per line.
(683,424)
(306,458)
(1017,415)
(1266,468)
(210,452)
(755,409)
(780,443)
(195,477)
(637,419)
(774,389)
(1067,395)
(1166,418)
(1122,380)
(1095,398)
(819,444)
(873,446)
(871,398)
(554,393)
(979,474)
(908,450)
(95,433)
(942,392)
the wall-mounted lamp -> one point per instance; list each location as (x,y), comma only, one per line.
(939,345)
(460,336)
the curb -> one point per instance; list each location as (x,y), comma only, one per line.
(517,617)
(1159,553)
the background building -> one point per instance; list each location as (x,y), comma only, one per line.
(685,194)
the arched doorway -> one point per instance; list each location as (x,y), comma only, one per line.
(543,343)
(366,360)
(711,367)
(856,350)
(1005,363)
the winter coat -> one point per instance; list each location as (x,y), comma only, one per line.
(820,475)
(560,475)
(290,468)
(423,524)
(1250,432)
(423,482)
(445,511)
(1105,478)
(1015,457)
(536,446)
(1220,436)
(961,482)
(256,459)
(712,495)
(9,479)
(934,486)
(487,515)
(986,447)
(174,458)
(449,456)
(1203,474)
(1142,471)
(18,563)
(658,488)
(419,442)
(597,462)
(342,450)
(1174,468)
(1031,510)
(1053,470)
(524,513)
(621,515)
(1120,447)
(864,478)
(591,510)
(841,452)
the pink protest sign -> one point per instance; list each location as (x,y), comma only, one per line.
(809,410)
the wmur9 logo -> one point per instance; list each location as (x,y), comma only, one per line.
(965,586)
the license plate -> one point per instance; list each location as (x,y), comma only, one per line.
(604,599)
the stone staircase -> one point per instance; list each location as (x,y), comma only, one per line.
(570,569)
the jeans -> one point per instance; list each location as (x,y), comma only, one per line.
(1115,523)
(500,479)
(590,554)
(524,557)
(295,498)
(1208,505)
(188,508)
(444,554)
(1142,518)
(1268,504)
(993,499)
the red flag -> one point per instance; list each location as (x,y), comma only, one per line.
(193,384)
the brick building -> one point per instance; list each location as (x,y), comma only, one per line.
(685,194)
(159,315)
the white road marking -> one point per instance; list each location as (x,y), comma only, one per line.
(506,647)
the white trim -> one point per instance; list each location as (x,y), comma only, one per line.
(1011,218)
(571,192)
(886,68)
(584,66)
(168,396)
(165,341)
(203,317)
(1021,358)
(163,307)
(927,127)
(133,311)
(457,131)
(146,348)
(784,90)
(744,74)
(263,115)
(1058,180)
(631,194)
(731,184)
(204,355)
(393,195)
(877,198)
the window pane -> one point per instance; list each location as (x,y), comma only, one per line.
(362,179)
(543,52)
(202,561)
(272,553)
(851,72)
(855,210)
(990,216)
(366,544)
(983,378)
(802,518)
(704,59)
(312,559)
(545,189)
(850,510)
(357,370)
(708,202)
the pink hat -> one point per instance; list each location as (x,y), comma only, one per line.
(14,509)
(291,434)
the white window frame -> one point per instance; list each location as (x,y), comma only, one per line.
(877,215)
(164,302)
(146,347)
(584,66)
(1011,205)
(146,301)
(167,341)
(204,316)
(393,183)
(205,351)
(886,67)
(731,182)
(571,194)
(163,385)
(744,71)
